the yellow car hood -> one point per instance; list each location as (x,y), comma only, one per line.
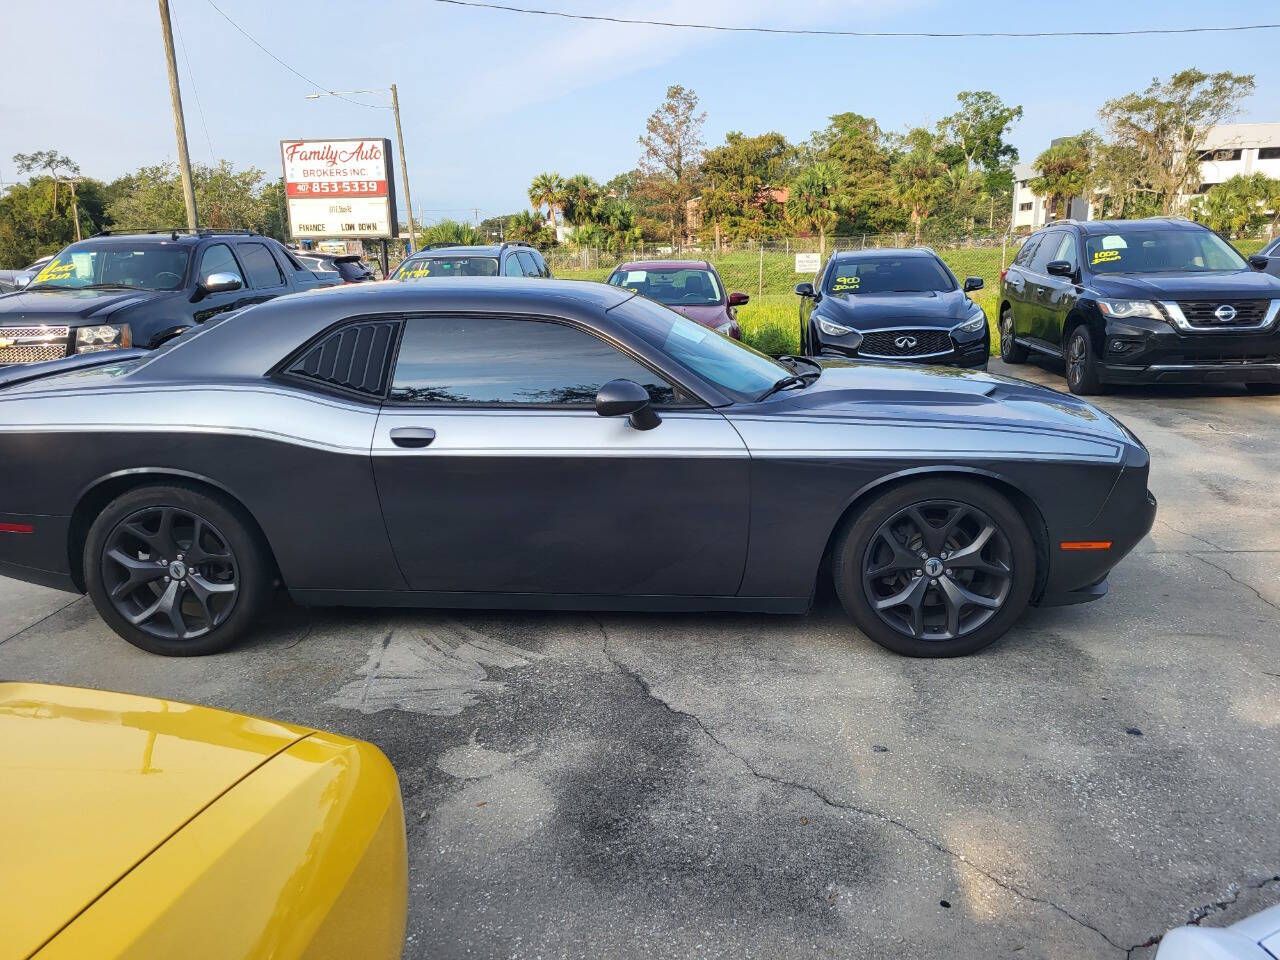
(91,783)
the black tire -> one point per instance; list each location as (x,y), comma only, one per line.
(1010,351)
(857,554)
(227,585)
(1082,364)
(1263,389)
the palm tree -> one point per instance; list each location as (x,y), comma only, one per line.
(580,195)
(816,199)
(547,189)
(919,177)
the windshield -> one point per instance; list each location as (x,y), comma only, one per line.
(420,267)
(890,274)
(146,265)
(1161,251)
(676,286)
(740,371)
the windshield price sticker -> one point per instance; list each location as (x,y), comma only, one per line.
(1106,256)
(846,283)
(56,270)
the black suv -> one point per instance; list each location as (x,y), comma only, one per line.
(1141,301)
(118,290)
(455,260)
(901,305)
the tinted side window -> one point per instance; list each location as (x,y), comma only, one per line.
(512,267)
(1067,250)
(260,265)
(217,258)
(530,267)
(498,360)
(1028,250)
(1045,251)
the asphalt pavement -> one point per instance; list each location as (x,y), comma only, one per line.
(748,786)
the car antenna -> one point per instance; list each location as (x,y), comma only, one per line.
(173,235)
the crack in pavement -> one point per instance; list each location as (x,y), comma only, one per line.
(828,801)
(1231,576)
(1200,914)
(1193,536)
(33,625)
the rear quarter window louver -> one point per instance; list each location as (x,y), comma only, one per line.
(353,358)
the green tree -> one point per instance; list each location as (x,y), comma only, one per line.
(1165,125)
(862,154)
(1239,203)
(977,131)
(31,226)
(528,227)
(580,195)
(738,180)
(547,189)
(815,200)
(1066,170)
(672,153)
(919,177)
(451,231)
(227,198)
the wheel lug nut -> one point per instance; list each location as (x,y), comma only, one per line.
(919,573)
(166,580)
(951,573)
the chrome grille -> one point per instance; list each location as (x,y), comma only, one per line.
(1202,313)
(896,344)
(32,344)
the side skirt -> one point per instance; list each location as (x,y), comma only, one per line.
(540,601)
(1038,347)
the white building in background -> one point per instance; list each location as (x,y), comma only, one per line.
(1229,149)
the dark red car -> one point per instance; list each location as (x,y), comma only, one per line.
(689,287)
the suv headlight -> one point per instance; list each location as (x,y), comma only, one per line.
(103,337)
(833,329)
(973,326)
(1124,309)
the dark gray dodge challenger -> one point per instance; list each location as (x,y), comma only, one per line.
(501,443)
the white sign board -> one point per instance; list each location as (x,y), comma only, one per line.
(339,188)
(808,262)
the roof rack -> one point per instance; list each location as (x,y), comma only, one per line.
(198,231)
(517,243)
(440,244)
(1064,220)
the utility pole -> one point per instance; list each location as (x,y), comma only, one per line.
(180,126)
(404,166)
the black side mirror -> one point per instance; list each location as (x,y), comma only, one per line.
(1259,262)
(972,283)
(625,398)
(1060,268)
(804,289)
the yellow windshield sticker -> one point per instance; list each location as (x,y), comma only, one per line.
(1106,256)
(56,270)
(415,272)
(846,283)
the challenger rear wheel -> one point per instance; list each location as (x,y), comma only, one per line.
(935,568)
(176,571)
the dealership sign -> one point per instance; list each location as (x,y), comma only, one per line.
(339,188)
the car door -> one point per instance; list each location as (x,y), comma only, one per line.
(1059,292)
(1037,289)
(218,258)
(496,475)
(529,264)
(266,279)
(1018,288)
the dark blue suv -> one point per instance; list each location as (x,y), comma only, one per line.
(1162,300)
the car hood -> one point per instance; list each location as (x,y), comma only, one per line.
(875,311)
(105,778)
(712,316)
(940,394)
(37,307)
(1236,285)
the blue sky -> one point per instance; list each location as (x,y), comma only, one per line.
(490,99)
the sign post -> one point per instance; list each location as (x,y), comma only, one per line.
(339,189)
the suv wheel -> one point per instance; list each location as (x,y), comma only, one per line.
(935,568)
(1010,351)
(175,571)
(1082,364)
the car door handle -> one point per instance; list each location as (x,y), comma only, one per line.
(412,436)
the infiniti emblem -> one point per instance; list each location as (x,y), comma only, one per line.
(1225,313)
(905,343)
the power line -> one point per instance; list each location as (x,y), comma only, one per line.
(296,73)
(196,90)
(855,33)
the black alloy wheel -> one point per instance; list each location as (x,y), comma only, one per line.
(177,570)
(1082,364)
(937,570)
(938,567)
(1010,351)
(170,573)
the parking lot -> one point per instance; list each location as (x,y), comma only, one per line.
(739,786)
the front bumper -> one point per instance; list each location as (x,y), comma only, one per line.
(972,353)
(1154,352)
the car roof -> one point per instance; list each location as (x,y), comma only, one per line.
(491,249)
(664,265)
(178,236)
(883,252)
(1093,227)
(249,342)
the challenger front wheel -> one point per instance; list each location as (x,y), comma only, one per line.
(935,568)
